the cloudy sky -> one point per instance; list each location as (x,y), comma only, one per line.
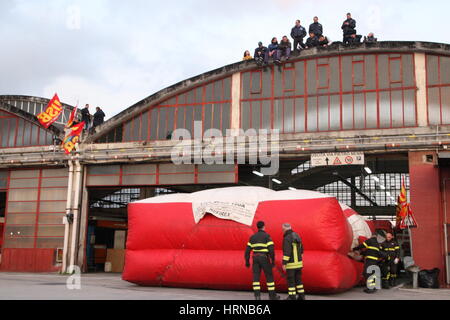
(114,53)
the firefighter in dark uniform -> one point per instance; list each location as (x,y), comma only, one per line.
(373,255)
(293,262)
(263,259)
(390,265)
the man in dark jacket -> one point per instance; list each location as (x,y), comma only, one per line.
(293,262)
(390,264)
(312,41)
(298,33)
(348,27)
(86,117)
(263,259)
(99,117)
(285,48)
(373,255)
(261,55)
(316,27)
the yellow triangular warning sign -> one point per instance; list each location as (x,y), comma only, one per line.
(337,162)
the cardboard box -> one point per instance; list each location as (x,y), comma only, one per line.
(117,259)
(119,239)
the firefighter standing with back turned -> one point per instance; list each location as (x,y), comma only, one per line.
(293,262)
(389,269)
(263,259)
(372,256)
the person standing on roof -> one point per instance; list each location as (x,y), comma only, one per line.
(86,117)
(298,33)
(349,29)
(316,28)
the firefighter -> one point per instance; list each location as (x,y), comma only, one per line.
(263,259)
(293,262)
(373,255)
(392,250)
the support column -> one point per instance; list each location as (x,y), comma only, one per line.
(421,94)
(426,206)
(235,100)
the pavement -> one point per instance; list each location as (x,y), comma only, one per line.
(107,286)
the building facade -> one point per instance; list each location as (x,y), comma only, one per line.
(389,101)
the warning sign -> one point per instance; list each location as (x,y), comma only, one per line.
(337,159)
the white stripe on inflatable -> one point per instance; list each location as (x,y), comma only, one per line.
(258,194)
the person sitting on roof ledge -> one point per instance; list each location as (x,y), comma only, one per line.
(323,41)
(285,48)
(274,53)
(370,38)
(247,55)
(261,54)
(312,41)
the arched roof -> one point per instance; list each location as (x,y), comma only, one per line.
(333,50)
(28,107)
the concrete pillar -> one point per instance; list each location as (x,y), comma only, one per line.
(421,94)
(235,100)
(83,223)
(427,239)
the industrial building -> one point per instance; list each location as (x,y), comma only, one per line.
(389,101)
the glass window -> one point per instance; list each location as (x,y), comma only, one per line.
(256,115)
(127,131)
(153,124)
(162,127)
(218,91)
(323,113)
(217,116)
(144,125)
(266,115)
(226,117)
(208,116)
(300,115)
(227,89)
(312,114)
(136,129)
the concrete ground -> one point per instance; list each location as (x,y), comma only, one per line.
(24,286)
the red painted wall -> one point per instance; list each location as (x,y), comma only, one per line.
(28,260)
(426,204)
(1,235)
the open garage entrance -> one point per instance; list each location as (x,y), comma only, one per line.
(370,189)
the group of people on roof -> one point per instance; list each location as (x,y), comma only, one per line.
(283,49)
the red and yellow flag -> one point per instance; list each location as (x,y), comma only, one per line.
(405,216)
(72,117)
(51,113)
(72,138)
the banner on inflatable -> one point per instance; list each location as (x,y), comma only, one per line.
(241,212)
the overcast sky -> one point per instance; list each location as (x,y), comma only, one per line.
(114,53)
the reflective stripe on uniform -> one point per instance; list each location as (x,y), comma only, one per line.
(262,244)
(256,288)
(294,265)
(270,284)
(300,287)
(373,248)
(373,258)
(261,250)
(286,258)
(256,283)
(294,250)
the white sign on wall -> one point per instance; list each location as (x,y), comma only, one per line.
(337,159)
